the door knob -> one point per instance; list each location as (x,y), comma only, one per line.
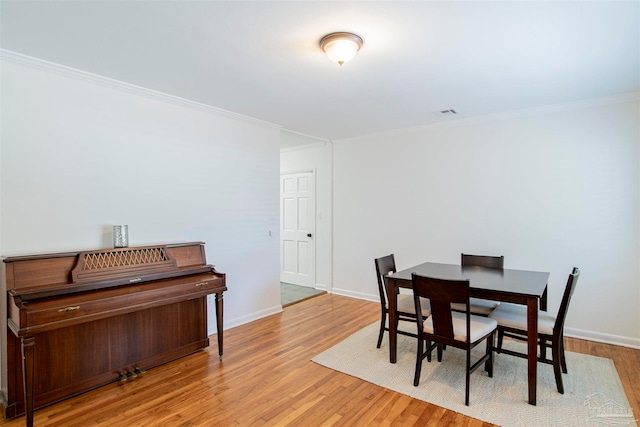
(308,234)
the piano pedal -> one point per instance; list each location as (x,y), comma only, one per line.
(130,373)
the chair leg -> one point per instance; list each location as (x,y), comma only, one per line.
(468,378)
(500,338)
(488,366)
(383,323)
(419,357)
(563,360)
(543,348)
(439,352)
(556,353)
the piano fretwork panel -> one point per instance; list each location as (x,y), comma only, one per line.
(80,320)
(124,258)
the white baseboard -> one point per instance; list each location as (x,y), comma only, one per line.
(569,332)
(320,287)
(232,323)
(603,338)
(357,295)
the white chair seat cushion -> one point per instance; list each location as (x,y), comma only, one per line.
(405,304)
(480,326)
(483,307)
(515,316)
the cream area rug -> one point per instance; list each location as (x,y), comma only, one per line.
(593,392)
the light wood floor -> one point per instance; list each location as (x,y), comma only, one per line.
(267,379)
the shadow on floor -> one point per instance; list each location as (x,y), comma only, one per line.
(291,294)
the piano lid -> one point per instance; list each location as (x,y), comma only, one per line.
(43,276)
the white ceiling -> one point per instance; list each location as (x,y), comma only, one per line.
(261,58)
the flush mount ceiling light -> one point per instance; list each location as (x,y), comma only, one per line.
(341,47)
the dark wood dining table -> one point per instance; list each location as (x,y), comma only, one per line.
(515,286)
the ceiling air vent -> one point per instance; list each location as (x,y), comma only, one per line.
(449,112)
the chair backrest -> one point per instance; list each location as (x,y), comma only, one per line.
(495,262)
(384,266)
(572,281)
(441,293)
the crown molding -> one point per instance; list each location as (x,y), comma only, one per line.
(37,63)
(313,145)
(318,142)
(527,112)
(41,64)
(317,138)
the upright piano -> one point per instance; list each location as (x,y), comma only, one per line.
(77,321)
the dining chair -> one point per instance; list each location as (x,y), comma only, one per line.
(404,303)
(446,327)
(512,322)
(481,307)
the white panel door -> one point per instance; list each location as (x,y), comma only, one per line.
(297,259)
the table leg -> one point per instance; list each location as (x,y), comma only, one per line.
(532,345)
(391,300)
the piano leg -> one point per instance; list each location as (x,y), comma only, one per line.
(28,353)
(219,316)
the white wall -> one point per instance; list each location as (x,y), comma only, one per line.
(305,154)
(81,153)
(549,191)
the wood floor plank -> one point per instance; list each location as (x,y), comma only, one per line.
(267,378)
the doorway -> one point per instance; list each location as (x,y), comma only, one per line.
(297,244)
(292,294)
